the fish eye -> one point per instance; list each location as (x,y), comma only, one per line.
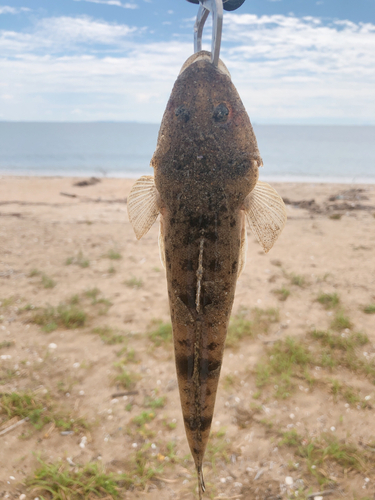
(221,113)
(182,113)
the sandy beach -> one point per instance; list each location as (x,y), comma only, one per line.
(86,353)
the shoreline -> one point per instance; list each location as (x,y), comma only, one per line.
(315,196)
(131,176)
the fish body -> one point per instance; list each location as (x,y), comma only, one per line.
(205,186)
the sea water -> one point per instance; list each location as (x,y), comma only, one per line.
(289,152)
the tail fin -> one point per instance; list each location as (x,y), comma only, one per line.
(201,485)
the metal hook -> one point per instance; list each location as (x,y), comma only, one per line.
(216,8)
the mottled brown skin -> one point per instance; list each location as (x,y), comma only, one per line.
(206,163)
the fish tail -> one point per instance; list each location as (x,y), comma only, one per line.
(201,485)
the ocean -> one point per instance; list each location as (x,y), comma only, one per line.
(297,153)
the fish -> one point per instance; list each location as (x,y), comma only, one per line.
(205,187)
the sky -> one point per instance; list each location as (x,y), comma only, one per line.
(292,61)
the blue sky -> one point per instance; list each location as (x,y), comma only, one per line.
(292,61)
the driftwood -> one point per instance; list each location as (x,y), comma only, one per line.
(86,199)
(90,182)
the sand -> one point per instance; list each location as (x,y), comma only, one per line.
(66,233)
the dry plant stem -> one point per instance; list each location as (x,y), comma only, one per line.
(11,427)
(324,493)
(166,480)
(228,498)
(125,393)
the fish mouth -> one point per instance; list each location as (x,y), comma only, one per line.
(203,55)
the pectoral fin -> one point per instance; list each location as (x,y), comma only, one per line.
(143,207)
(265,213)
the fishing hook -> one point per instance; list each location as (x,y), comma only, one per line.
(216,8)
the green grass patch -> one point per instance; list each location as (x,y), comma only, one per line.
(142,467)
(144,418)
(262,319)
(370,309)
(327,359)
(5,303)
(113,255)
(39,410)
(46,281)
(127,355)
(317,453)
(80,260)
(93,294)
(297,280)
(218,448)
(34,272)
(286,360)
(229,381)
(124,378)
(346,342)
(341,322)
(170,425)
(160,333)
(328,300)
(239,327)
(74,300)
(133,282)
(64,316)
(71,317)
(341,350)
(7,374)
(348,393)
(282,293)
(108,335)
(6,343)
(26,308)
(57,481)
(155,402)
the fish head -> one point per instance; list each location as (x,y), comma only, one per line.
(206,132)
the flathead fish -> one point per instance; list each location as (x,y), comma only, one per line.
(205,187)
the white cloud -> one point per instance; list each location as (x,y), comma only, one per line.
(292,46)
(5,9)
(289,68)
(116,3)
(57,34)
(286,69)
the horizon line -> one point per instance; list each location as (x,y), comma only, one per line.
(132,122)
